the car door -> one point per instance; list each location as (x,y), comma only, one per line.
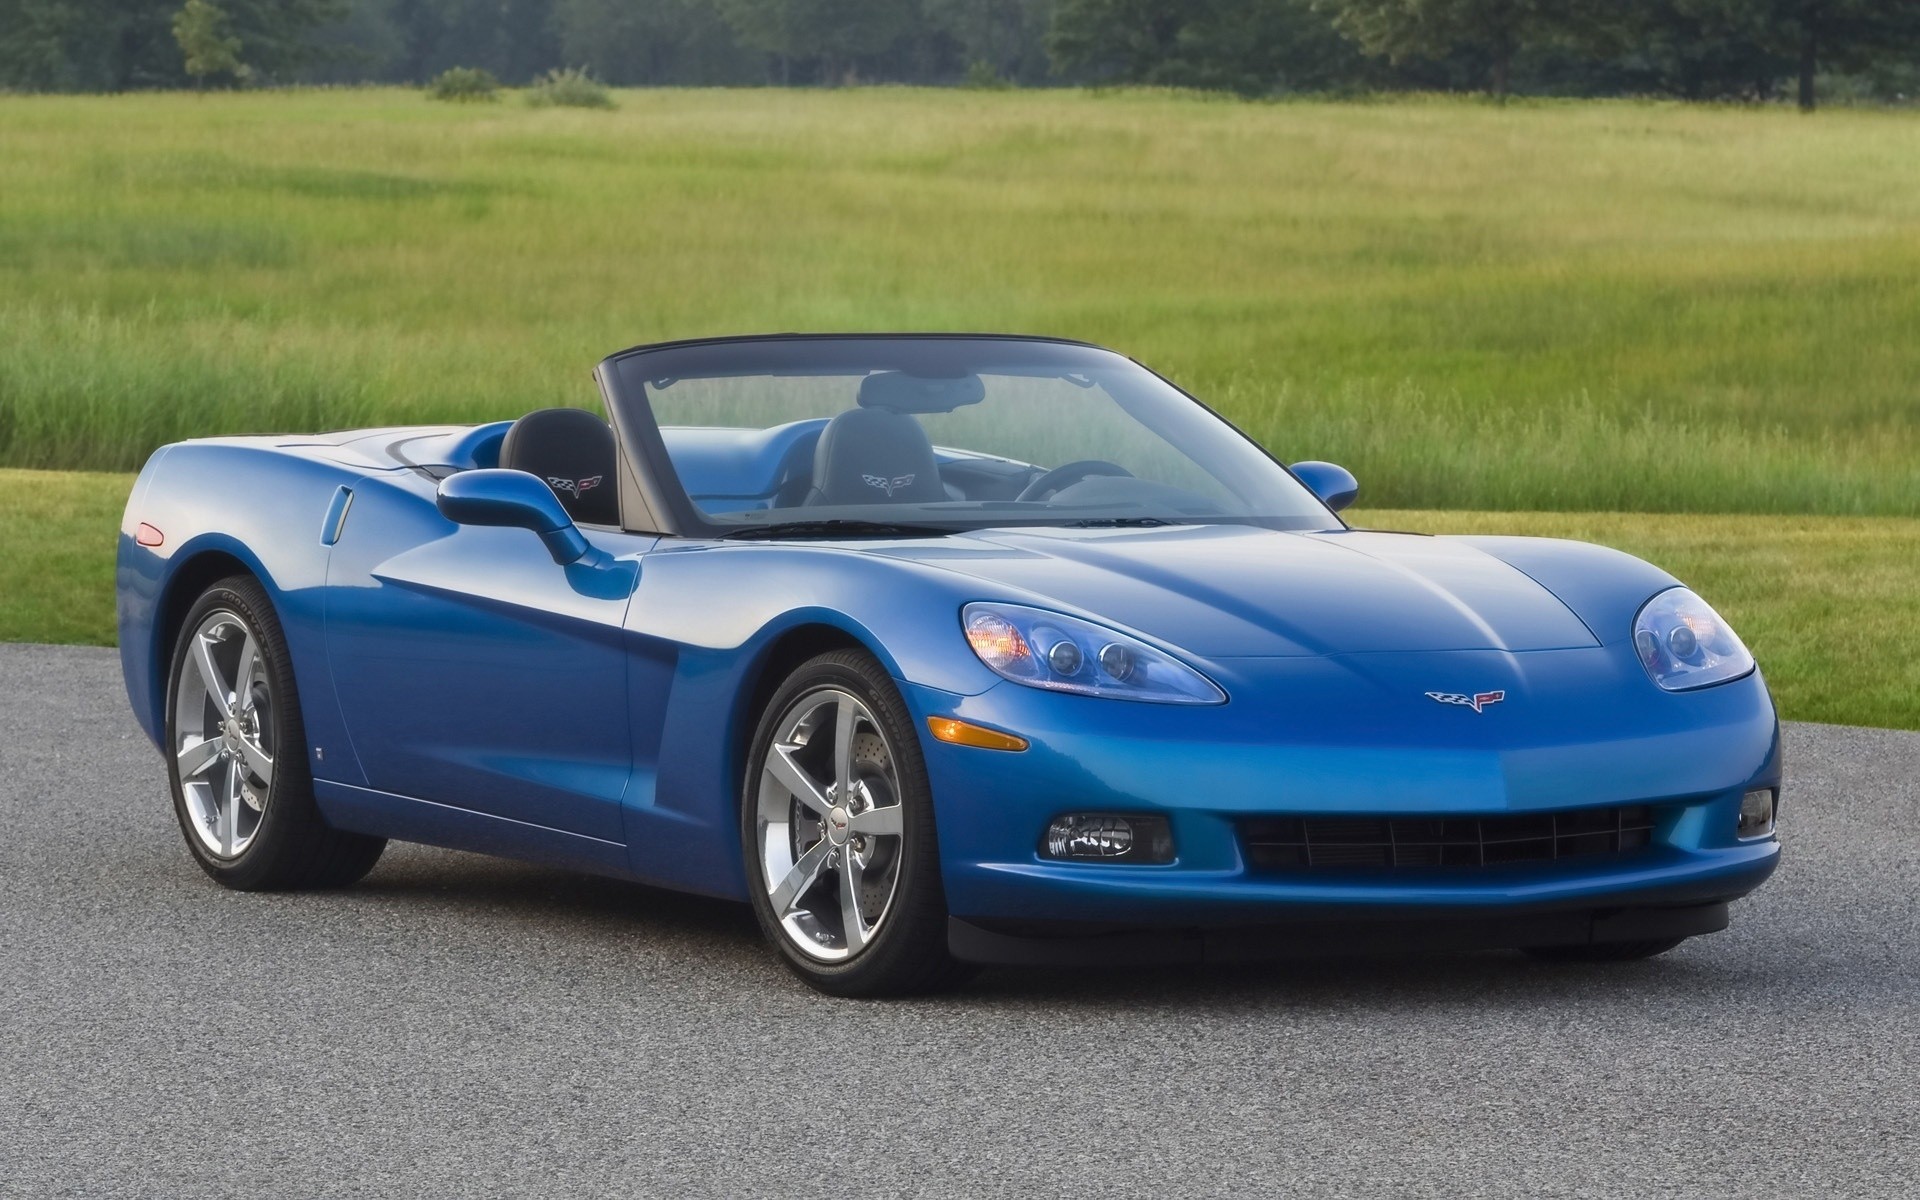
(475,673)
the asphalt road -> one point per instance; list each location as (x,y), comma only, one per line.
(463,1026)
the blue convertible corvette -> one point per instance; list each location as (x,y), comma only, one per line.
(938,650)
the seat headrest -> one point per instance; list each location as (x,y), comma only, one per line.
(904,393)
(874,456)
(573,451)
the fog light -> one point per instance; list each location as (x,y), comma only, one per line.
(1109,837)
(1756,813)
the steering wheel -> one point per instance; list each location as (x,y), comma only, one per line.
(1068,474)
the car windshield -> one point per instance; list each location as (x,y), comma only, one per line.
(826,434)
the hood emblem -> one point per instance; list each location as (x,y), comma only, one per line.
(889,485)
(1477,702)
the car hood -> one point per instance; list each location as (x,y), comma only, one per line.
(1231,591)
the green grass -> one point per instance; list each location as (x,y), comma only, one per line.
(1605,306)
(1831,605)
(1552,306)
(57,532)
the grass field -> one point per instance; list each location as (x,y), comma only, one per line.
(1592,306)
(1831,605)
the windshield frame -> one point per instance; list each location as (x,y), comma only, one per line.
(652,486)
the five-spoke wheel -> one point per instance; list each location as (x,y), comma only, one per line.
(237,752)
(223,730)
(837,819)
(829,824)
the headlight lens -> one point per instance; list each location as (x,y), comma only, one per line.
(1064,654)
(1684,644)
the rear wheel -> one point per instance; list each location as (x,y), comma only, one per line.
(1604,952)
(837,825)
(237,756)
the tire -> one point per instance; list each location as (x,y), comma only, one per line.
(799,851)
(1604,952)
(237,753)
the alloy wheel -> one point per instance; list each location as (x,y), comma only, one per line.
(828,824)
(224,734)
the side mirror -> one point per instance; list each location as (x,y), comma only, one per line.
(1335,485)
(495,497)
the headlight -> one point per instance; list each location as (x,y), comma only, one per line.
(1684,644)
(1064,654)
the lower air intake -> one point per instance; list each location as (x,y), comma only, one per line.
(1321,843)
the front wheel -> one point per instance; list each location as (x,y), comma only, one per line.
(236,752)
(837,824)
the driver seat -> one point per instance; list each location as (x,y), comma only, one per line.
(875,456)
(572,451)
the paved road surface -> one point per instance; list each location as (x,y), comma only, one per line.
(463,1026)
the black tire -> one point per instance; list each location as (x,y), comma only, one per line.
(291,846)
(1604,952)
(908,951)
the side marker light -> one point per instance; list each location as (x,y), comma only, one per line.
(960,733)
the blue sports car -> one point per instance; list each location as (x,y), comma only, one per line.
(938,650)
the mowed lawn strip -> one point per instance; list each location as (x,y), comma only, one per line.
(58,531)
(1711,308)
(1830,605)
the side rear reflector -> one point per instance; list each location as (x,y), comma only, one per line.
(147,535)
(960,733)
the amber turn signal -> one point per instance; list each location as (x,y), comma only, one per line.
(962,734)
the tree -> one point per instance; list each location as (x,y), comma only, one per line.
(1679,47)
(279,35)
(661,42)
(1848,35)
(1128,41)
(1004,36)
(1248,46)
(46,44)
(88,45)
(201,29)
(1399,30)
(830,34)
(115,45)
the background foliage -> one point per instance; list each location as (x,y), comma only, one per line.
(1693,49)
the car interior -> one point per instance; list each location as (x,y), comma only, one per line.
(876,452)
(573,450)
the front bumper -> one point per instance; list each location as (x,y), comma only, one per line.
(1148,897)
(1688,756)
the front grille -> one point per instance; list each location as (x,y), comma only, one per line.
(1313,843)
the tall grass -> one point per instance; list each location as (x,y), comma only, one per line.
(1550,306)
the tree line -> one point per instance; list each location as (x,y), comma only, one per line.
(1694,49)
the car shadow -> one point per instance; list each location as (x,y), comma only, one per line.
(1505,979)
(586,906)
(588,909)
